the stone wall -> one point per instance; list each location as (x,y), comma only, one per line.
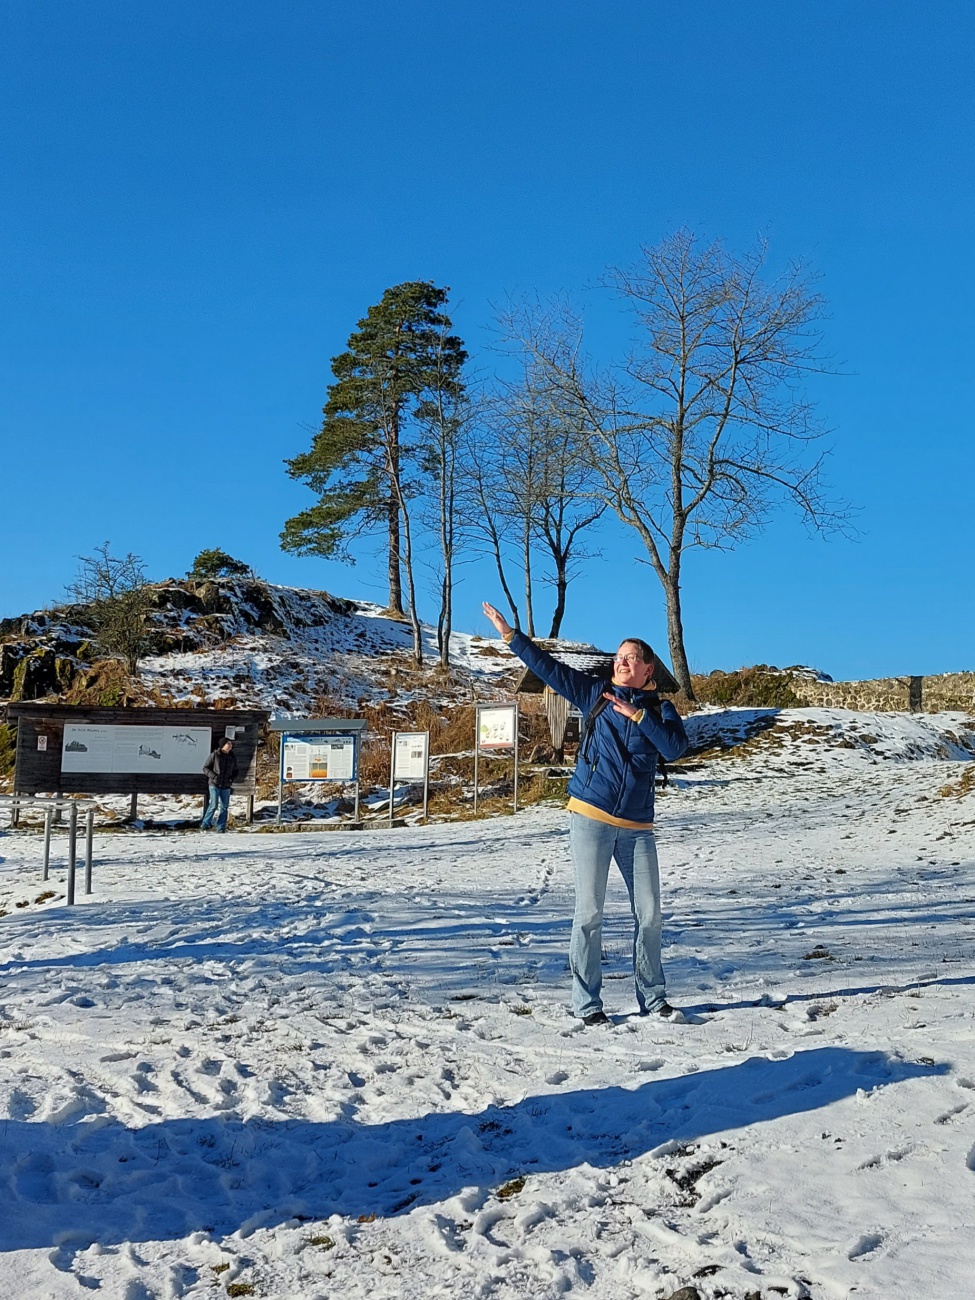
(940,692)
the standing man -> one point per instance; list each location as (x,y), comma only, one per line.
(626,728)
(221,770)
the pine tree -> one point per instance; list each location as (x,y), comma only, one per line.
(361,459)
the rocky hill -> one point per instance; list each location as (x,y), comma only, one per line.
(242,642)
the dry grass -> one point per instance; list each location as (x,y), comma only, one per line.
(758,687)
(955,790)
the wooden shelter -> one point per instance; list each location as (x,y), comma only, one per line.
(563,719)
(128,751)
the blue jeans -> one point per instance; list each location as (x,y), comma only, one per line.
(218,798)
(593,845)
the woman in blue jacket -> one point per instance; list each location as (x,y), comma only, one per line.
(611,809)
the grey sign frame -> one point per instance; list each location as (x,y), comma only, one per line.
(316,728)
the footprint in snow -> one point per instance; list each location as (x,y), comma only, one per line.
(866,1245)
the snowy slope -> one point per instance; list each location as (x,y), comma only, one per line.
(357,654)
(322,1065)
(255,644)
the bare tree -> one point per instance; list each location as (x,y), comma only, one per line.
(555,481)
(527,491)
(484,513)
(702,429)
(116,592)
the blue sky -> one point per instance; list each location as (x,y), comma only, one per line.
(198,201)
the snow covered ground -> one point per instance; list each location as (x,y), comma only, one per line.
(341,1065)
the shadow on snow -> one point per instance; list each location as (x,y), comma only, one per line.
(73,1183)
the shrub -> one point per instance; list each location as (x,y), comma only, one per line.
(8,748)
(216,563)
(116,592)
(759,687)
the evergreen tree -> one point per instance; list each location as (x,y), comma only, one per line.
(360,460)
(216,563)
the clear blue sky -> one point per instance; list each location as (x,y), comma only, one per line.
(198,201)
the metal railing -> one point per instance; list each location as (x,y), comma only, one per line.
(52,807)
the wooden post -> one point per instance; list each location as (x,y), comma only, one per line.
(134,808)
(915,692)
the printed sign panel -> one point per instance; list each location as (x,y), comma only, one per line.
(496,727)
(168,750)
(319,758)
(410,756)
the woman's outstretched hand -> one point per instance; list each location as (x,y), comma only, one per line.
(621,706)
(499,621)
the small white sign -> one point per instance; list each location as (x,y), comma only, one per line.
(42,742)
(410,755)
(496,727)
(231,733)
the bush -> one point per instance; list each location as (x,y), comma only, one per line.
(115,590)
(216,563)
(8,748)
(759,687)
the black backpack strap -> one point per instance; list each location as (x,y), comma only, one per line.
(590,720)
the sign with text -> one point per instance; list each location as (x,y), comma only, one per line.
(310,757)
(410,755)
(90,748)
(497,726)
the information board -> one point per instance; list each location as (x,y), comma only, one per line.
(90,748)
(310,757)
(496,727)
(410,755)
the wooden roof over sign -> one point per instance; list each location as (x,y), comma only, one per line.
(43,752)
(587,659)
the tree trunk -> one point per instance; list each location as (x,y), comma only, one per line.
(395,507)
(675,635)
(561,583)
(411,588)
(445,622)
(529,603)
(395,580)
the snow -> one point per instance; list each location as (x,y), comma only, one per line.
(321,1065)
(320,653)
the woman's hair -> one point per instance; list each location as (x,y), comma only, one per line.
(648,655)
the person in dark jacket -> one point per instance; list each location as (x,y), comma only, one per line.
(611,809)
(221,772)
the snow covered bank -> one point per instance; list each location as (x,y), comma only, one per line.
(342,1065)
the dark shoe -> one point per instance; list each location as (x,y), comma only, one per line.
(596,1018)
(663,1009)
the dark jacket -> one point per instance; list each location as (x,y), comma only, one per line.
(618,760)
(221,769)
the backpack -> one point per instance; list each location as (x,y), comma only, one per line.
(590,722)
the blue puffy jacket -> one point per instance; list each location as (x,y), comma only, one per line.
(617,763)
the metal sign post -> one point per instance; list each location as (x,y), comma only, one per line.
(89,836)
(410,761)
(48,814)
(496,729)
(72,850)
